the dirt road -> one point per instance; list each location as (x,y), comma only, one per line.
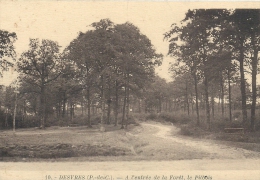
(183,156)
(212,149)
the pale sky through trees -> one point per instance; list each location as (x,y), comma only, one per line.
(62,20)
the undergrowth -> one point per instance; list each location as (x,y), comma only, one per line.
(188,126)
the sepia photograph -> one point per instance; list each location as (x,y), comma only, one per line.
(129,90)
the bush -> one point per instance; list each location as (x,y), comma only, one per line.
(217,126)
(139,116)
(191,129)
(186,131)
(131,120)
(257,125)
(167,117)
(151,116)
(175,117)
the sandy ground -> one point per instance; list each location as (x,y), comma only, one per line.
(205,157)
(213,149)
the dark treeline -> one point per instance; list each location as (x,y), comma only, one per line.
(100,71)
(108,72)
(214,48)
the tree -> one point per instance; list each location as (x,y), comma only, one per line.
(7,52)
(242,35)
(136,58)
(114,59)
(41,65)
(156,94)
(104,53)
(239,22)
(254,29)
(203,38)
(82,53)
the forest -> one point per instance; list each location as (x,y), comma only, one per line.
(106,75)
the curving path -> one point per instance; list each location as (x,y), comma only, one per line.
(220,161)
(215,150)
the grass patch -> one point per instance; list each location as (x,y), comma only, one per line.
(169,117)
(63,142)
(193,130)
(61,151)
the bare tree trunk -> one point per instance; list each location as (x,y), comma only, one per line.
(108,111)
(116,103)
(229,96)
(187,98)
(242,84)
(254,91)
(160,105)
(127,102)
(82,107)
(222,95)
(64,105)
(102,128)
(24,111)
(192,104)
(6,117)
(15,105)
(124,107)
(213,106)
(42,107)
(109,104)
(196,96)
(89,106)
(71,112)
(207,102)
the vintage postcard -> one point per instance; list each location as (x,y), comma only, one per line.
(129,90)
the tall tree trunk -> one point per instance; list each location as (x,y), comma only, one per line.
(108,111)
(93,108)
(59,113)
(196,95)
(202,101)
(71,112)
(124,107)
(15,105)
(127,102)
(82,107)
(187,98)
(89,106)
(109,103)
(42,107)
(242,83)
(222,94)
(229,95)
(207,102)
(116,103)
(160,105)
(24,111)
(145,106)
(213,106)
(192,104)
(219,100)
(64,104)
(6,117)
(102,127)
(254,73)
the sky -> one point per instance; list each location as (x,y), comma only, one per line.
(62,20)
